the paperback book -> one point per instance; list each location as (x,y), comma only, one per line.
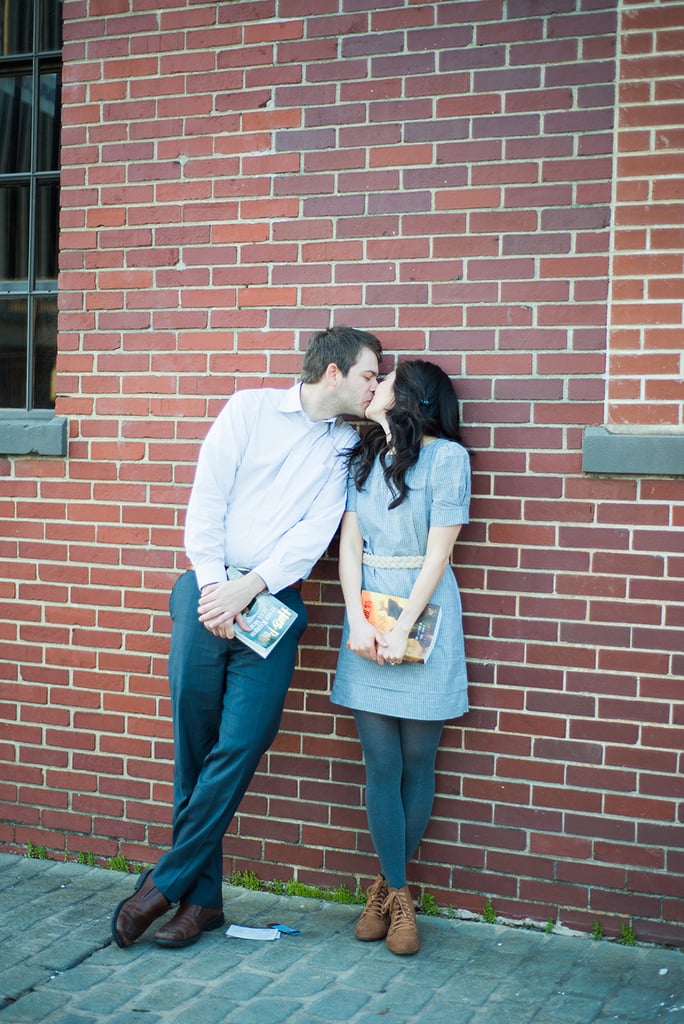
(268,618)
(383,610)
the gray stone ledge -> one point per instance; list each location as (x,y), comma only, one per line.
(33,435)
(604,451)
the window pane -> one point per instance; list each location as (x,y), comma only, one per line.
(14,234)
(13,320)
(50,25)
(47,158)
(15,123)
(30,112)
(16,26)
(44,351)
(47,230)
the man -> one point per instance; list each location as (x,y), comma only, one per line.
(268,496)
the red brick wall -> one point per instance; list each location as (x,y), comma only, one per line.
(237,175)
(646,353)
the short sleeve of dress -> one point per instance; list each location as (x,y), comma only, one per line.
(450,485)
(352,495)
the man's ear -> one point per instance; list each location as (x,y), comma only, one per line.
(333,374)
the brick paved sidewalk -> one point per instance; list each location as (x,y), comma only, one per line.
(58,965)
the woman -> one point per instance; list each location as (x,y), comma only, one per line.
(408,496)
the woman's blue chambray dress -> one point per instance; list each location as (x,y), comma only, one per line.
(439,495)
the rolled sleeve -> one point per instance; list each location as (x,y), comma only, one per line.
(269,489)
(296,552)
(450,486)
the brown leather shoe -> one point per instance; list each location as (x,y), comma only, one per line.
(374,921)
(135,914)
(402,937)
(187,925)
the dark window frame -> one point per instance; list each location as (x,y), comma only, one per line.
(33,51)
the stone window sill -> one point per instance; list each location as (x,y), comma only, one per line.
(34,434)
(639,454)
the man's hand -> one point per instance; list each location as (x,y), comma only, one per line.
(221,605)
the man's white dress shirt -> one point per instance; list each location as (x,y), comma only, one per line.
(269,489)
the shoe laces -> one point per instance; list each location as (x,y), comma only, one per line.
(396,905)
(377,898)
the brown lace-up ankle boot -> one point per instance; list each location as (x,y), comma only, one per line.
(374,920)
(402,936)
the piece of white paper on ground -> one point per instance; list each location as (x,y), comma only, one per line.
(236,931)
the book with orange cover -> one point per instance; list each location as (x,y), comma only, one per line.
(383,610)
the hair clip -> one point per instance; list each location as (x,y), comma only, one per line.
(424,401)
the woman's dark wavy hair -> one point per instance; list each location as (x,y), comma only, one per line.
(425,403)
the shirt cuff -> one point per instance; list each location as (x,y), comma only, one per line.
(210,572)
(273,576)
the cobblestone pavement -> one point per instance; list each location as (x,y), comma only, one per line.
(58,965)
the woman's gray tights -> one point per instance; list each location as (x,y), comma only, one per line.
(399,755)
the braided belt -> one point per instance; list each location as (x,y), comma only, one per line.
(393,561)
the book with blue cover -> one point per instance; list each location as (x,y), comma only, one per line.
(268,617)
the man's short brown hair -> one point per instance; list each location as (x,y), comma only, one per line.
(339,345)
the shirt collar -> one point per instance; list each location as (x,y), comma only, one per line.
(291,401)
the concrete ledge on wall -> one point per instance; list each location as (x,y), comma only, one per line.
(33,435)
(604,451)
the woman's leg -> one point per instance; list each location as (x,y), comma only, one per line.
(381,742)
(399,755)
(400,787)
(419,745)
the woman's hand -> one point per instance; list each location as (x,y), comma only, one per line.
(366,641)
(395,643)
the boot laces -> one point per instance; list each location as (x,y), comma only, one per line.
(396,906)
(377,898)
